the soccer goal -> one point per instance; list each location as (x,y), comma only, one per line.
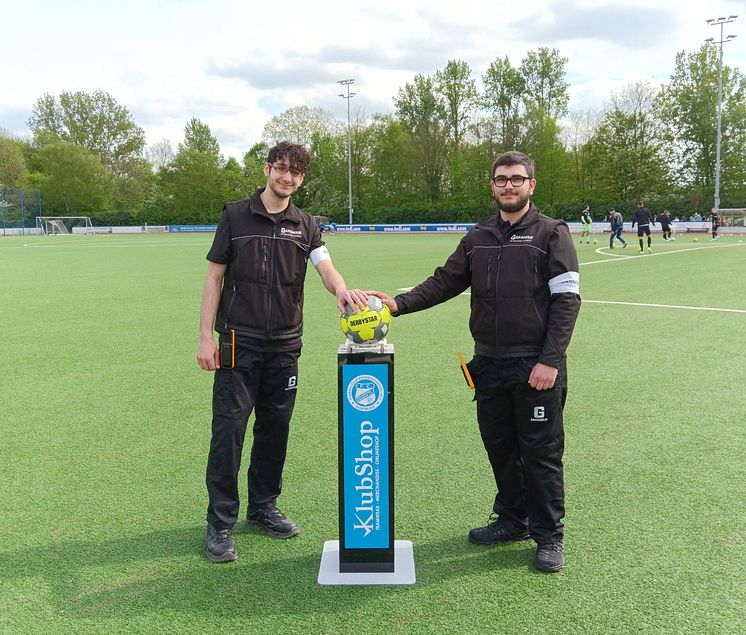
(64,225)
(733,217)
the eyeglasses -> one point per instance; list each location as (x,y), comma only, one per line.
(284,169)
(516,180)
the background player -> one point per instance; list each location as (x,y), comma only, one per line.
(644,220)
(715,220)
(617,227)
(585,221)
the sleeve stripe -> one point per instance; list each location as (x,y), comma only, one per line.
(565,283)
(319,255)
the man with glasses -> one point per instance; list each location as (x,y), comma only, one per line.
(522,269)
(253,298)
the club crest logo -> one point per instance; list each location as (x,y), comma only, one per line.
(365,393)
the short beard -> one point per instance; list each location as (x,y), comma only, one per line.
(512,208)
(277,192)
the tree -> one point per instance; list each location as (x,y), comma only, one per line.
(160,154)
(298,125)
(12,164)
(502,97)
(193,184)
(132,185)
(554,169)
(199,137)
(235,183)
(687,107)
(629,145)
(458,92)
(577,133)
(94,121)
(543,72)
(423,115)
(324,190)
(253,165)
(393,184)
(74,181)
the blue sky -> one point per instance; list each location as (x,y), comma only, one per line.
(236,64)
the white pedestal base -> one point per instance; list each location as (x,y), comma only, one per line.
(403,567)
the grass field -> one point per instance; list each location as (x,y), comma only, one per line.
(106,421)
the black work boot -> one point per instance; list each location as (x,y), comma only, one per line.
(549,557)
(220,545)
(273,521)
(498,531)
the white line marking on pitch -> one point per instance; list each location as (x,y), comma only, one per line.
(667,306)
(110,244)
(616,257)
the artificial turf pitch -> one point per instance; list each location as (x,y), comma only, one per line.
(105,428)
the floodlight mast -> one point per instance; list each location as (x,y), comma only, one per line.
(719,22)
(348,82)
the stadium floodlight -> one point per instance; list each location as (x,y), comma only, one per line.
(348,82)
(719,22)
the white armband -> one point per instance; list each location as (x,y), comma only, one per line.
(565,283)
(319,255)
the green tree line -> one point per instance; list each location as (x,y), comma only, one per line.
(428,161)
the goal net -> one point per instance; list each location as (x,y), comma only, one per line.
(733,217)
(64,225)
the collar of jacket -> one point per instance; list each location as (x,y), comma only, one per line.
(492,224)
(257,207)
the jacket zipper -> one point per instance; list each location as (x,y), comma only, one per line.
(497,297)
(233,297)
(271,280)
(536,286)
(230,304)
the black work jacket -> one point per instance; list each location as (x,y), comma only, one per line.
(262,295)
(514,312)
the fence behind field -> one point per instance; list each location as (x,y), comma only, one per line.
(18,211)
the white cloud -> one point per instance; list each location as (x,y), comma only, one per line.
(235,64)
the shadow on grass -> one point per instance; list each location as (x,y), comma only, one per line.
(167,571)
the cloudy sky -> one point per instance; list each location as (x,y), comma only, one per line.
(235,64)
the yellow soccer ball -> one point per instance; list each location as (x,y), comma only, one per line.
(369,324)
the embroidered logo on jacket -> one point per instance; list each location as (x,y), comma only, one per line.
(291,232)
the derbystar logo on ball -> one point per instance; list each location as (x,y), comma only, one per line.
(369,324)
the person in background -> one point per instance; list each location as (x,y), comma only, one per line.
(585,223)
(715,220)
(665,221)
(617,227)
(644,219)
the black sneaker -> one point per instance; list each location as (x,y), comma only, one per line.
(273,521)
(220,545)
(498,531)
(549,557)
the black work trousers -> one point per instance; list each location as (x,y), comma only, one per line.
(523,434)
(267,385)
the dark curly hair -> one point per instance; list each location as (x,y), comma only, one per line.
(297,155)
